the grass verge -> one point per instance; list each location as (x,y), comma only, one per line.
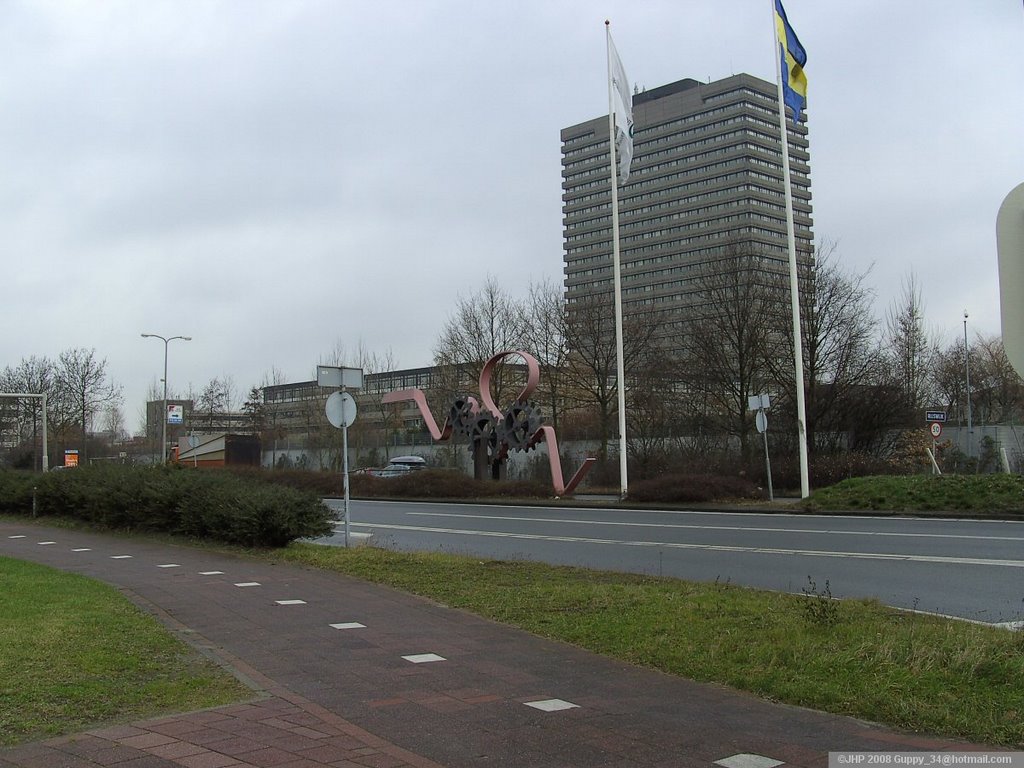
(975,493)
(857,658)
(75,653)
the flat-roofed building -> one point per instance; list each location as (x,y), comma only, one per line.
(705,188)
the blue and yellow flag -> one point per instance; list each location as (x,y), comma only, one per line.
(793,58)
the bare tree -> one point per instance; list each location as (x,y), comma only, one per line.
(218,397)
(82,378)
(545,334)
(113,421)
(839,333)
(386,416)
(482,325)
(255,409)
(911,349)
(272,429)
(736,330)
(33,375)
(997,390)
(948,375)
(592,373)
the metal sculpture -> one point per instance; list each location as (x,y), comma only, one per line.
(493,432)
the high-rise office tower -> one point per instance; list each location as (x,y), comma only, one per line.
(705,188)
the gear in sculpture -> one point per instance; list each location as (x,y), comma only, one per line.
(492,432)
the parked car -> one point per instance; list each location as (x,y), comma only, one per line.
(399,466)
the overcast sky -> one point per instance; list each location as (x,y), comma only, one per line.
(278,178)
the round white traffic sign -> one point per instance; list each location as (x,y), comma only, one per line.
(341,409)
(761,421)
(935,429)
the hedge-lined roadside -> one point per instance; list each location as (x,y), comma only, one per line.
(670,488)
(208,504)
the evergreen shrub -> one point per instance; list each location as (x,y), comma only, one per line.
(209,504)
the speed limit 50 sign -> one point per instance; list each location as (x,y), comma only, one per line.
(935,429)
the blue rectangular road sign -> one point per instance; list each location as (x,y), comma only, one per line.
(934,415)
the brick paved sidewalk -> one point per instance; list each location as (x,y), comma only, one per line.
(347,673)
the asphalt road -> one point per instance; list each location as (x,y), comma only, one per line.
(972,569)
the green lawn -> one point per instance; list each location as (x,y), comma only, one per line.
(75,653)
(856,658)
(897,493)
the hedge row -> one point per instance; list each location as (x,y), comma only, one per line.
(423,484)
(690,489)
(206,504)
(445,484)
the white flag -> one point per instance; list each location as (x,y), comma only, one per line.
(623,103)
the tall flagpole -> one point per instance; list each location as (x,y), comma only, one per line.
(794,286)
(620,373)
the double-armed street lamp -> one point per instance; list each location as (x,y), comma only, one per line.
(166,341)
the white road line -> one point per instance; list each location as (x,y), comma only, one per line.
(1013,626)
(709,547)
(720,513)
(626,524)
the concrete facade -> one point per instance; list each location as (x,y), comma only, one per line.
(705,186)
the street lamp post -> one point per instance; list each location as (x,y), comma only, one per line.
(967,368)
(163,431)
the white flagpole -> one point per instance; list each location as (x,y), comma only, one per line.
(620,373)
(794,286)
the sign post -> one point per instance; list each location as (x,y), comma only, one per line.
(937,419)
(341,412)
(761,403)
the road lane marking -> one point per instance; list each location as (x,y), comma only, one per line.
(551,705)
(682,526)
(424,658)
(709,547)
(715,513)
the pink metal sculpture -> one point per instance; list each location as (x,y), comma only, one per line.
(493,431)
